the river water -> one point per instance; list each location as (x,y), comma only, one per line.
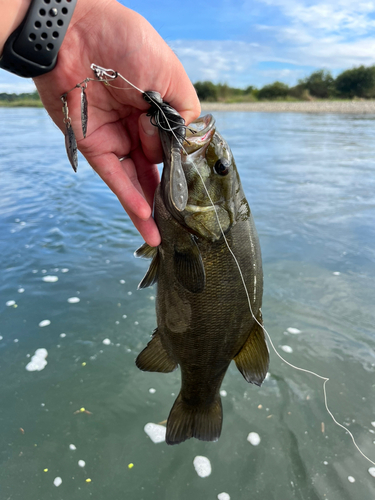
(66,253)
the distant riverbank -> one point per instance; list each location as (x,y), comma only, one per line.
(355,107)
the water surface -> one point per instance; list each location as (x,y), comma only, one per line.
(310,181)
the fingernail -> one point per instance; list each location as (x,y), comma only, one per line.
(148,128)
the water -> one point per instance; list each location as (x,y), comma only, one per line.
(310,181)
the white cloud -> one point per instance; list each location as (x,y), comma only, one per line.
(219,61)
(10,83)
(331,34)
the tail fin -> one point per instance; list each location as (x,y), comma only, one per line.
(186,421)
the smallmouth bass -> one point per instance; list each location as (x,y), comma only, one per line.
(203,316)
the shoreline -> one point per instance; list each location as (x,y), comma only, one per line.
(341,107)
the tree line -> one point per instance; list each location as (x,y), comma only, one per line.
(25,99)
(353,83)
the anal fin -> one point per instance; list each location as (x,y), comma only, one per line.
(154,358)
(253,359)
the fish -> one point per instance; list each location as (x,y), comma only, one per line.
(204,318)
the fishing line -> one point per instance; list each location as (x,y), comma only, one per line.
(325,379)
(111,74)
(310,372)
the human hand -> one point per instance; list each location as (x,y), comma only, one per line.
(110,35)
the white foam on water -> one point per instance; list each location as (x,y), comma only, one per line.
(1,337)
(64,270)
(155,432)
(130,293)
(44,271)
(106,342)
(34,271)
(351,479)
(50,279)
(38,361)
(293,331)
(223,496)
(15,340)
(253,438)
(372,471)
(57,481)
(62,335)
(81,463)
(336,273)
(223,393)
(122,282)
(152,390)
(286,348)
(74,300)
(124,316)
(373,424)
(72,447)
(45,322)
(202,466)
(10,303)
(20,290)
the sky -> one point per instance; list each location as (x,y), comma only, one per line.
(256,42)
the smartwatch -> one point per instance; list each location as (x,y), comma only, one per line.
(31,50)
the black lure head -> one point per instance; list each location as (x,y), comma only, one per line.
(165,117)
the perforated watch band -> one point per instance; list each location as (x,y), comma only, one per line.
(31,50)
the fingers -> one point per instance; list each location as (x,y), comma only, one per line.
(147,174)
(123,183)
(150,140)
(134,189)
(148,230)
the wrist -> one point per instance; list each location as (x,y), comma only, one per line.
(11,16)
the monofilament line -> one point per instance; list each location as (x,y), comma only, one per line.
(325,379)
(310,372)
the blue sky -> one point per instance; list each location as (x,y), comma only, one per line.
(255,42)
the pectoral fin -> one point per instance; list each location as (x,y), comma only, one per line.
(188,267)
(253,358)
(147,252)
(154,358)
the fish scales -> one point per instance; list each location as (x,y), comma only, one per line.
(203,315)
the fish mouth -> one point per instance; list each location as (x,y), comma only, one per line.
(200,208)
(199,134)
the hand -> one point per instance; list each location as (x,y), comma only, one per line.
(110,35)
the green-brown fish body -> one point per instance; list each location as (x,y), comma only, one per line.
(203,314)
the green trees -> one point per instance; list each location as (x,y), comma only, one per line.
(276,90)
(320,84)
(356,82)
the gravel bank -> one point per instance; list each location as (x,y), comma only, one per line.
(355,107)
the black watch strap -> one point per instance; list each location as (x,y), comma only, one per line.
(31,50)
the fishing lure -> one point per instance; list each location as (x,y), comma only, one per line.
(161,114)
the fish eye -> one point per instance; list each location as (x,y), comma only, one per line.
(222,166)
